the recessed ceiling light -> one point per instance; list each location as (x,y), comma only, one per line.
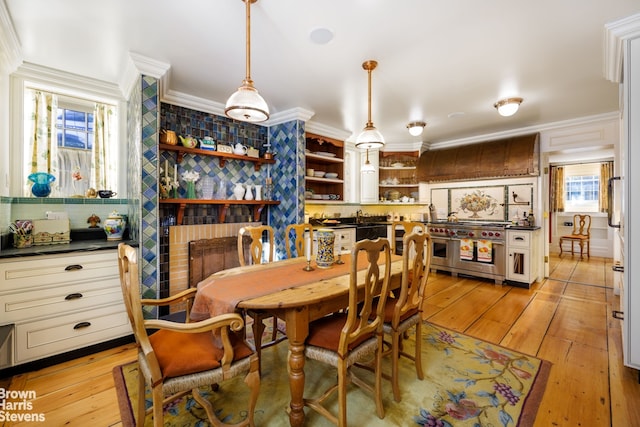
(321,35)
(455,115)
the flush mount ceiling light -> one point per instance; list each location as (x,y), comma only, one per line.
(416,128)
(246,104)
(367,167)
(370,137)
(508,107)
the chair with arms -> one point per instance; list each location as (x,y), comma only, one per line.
(180,358)
(346,338)
(408,227)
(255,256)
(581,233)
(299,243)
(405,310)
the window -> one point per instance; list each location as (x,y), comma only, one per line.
(75,129)
(582,187)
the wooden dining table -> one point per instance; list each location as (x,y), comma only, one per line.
(284,289)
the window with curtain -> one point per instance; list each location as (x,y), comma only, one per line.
(75,140)
(580,187)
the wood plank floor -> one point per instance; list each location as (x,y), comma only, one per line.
(565,319)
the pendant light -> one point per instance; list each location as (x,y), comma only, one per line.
(370,137)
(246,104)
(367,167)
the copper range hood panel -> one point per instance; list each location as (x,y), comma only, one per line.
(510,157)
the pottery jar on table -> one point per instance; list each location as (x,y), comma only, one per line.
(326,240)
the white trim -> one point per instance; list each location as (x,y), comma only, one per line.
(10,48)
(614,35)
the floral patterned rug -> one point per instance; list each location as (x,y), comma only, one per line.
(468,382)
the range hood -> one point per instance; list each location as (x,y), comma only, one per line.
(510,157)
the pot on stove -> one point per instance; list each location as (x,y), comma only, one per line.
(453,217)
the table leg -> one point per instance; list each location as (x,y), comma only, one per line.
(297,330)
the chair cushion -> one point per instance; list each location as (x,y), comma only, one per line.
(325,332)
(388,311)
(180,353)
(576,236)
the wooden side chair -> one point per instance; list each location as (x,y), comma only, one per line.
(408,227)
(581,233)
(299,244)
(346,338)
(180,358)
(405,310)
(256,256)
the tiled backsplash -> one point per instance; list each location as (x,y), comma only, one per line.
(77,209)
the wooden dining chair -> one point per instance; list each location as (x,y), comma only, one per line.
(581,233)
(346,338)
(181,358)
(299,241)
(404,310)
(408,227)
(256,256)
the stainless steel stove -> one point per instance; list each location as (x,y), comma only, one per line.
(446,248)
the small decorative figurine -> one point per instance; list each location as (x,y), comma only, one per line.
(93,221)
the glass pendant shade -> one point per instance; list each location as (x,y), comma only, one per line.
(370,138)
(367,167)
(247,105)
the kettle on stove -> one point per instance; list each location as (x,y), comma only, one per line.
(453,217)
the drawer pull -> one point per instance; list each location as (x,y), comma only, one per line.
(82,325)
(519,238)
(75,295)
(73,267)
(617,314)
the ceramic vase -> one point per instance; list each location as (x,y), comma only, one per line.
(249,194)
(238,191)
(41,183)
(114,226)
(326,240)
(258,192)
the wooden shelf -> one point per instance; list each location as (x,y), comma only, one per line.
(332,161)
(223,157)
(258,206)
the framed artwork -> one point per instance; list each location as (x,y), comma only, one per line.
(479,203)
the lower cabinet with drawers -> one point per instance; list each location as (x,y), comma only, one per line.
(59,303)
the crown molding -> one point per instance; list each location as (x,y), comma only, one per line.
(10,48)
(530,129)
(615,33)
(290,115)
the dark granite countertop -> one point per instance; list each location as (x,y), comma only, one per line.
(523,227)
(74,246)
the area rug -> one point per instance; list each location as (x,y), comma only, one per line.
(468,382)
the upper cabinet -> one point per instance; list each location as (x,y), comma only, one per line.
(398,176)
(324,169)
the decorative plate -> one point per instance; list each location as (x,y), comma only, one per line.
(325,154)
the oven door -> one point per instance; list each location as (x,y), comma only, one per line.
(441,252)
(493,269)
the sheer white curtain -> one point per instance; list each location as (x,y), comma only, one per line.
(41,153)
(104,153)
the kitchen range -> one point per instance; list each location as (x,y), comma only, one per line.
(473,248)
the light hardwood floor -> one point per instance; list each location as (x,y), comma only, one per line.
(565,319)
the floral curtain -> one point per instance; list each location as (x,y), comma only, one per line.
(556,193)
(104,154)
(606,172)
(42,148)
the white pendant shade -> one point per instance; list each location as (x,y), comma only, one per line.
(416,128)
(370,138)
(247,105)
(508,107)
(367,167)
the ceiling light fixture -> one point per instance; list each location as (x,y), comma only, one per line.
(370,137)
(246,104)
(508,107)
(367,167)
(416,128)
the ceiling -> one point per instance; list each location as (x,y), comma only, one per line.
(443,62)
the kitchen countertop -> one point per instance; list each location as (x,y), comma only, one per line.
(523,227)
(73,246)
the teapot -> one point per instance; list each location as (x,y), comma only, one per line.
(453,217)
(189,141)
(239,149)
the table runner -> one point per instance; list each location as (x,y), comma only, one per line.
(221,292)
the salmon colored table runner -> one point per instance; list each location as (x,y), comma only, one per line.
(221,292)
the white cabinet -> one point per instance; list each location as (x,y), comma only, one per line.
(343,243)
(522,256)
(60,303)
(369,181)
